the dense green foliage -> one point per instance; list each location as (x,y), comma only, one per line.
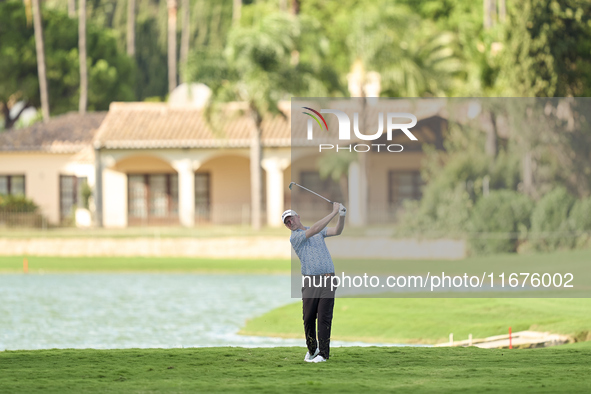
(548,50)
(497,219)
(549,220)
(540,146)
(110,73)
(19,203)
(580,221)
(271,370)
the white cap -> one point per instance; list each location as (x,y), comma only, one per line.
(287,214)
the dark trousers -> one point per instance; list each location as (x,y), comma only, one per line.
(318,304)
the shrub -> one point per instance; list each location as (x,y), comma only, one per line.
(20,204)
(503,214)
(549,221)
(448,217)
(579,221)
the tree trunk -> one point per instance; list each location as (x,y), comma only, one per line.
(528,176)
(283,5)
(72,8)
(236,12)
(256,174)
(82,51)
(491,138)
(40,60)
(295,7)
(185,37)
(487,16)
(502,11)
(131,28)
(172,8)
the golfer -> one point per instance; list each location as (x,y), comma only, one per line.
(317,268)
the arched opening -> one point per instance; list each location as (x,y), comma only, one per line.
(222,191)
(152,190)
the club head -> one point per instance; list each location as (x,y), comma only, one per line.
(291,184)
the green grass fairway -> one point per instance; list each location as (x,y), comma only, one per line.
(144,264)
(282,370)
(432,320)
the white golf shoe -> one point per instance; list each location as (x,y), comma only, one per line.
(309,358)
(318,359)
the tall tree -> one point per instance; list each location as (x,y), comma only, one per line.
(236,12)
(110,72)
(38,26)
(172,12)
(295,7)
(547,50)
(256,70)
(82,104)
(131,28)
(72,8)
(413,57)
(185,37)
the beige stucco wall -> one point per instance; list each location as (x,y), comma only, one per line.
(378,167)
(144,164)
(229,169)
(42,171)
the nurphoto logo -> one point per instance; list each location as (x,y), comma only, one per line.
(345,130)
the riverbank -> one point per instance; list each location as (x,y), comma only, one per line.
(430,321)
(283,370)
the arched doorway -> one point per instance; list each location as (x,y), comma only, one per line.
(152,190)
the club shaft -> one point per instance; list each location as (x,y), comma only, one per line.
(305,188)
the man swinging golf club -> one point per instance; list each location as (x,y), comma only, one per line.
(317,268)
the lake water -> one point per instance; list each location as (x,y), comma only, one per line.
(108,311)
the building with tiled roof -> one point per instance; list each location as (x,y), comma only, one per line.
(159,125)
(69,133)
(51,163)
(163,164)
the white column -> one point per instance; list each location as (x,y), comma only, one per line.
(114,198)
(186,192)
(274,171)
(357,195)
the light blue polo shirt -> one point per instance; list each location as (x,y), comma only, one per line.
(312,252)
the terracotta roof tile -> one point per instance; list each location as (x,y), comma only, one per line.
(158,125)
(67,133)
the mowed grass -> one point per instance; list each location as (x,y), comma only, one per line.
(42,264)
(430,321)
(282,370)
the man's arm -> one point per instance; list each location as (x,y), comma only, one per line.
(332,231)
(319,225)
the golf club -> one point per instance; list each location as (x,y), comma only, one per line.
(324,198)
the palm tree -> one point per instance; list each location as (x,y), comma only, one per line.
(131,28)
(172,10)
(256,70)
(40,47)
(82,52)
(411,56)
(185,37)
(236,12)
(72,8)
